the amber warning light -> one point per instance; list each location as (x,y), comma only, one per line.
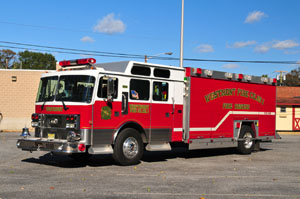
(88,61)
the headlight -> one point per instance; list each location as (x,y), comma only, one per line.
(70,126)
(34,124)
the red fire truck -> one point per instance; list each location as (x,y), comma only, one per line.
(124,108)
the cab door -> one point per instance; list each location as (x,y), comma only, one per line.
(106,112)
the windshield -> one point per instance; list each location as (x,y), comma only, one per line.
(46,91)
(75,88)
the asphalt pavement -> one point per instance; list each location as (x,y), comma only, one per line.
(273,172)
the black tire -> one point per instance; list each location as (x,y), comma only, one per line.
(128,148)
(246,146)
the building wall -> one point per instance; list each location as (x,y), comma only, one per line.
(284,121)
(17,98)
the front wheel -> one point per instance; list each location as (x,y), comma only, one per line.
(128,148)
(246,145)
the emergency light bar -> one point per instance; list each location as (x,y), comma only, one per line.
(88,61)
(209,73)
(239,76)
(248,78)
(228,75)
(264,79)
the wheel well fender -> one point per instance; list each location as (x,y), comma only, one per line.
(252,124)
(133,125)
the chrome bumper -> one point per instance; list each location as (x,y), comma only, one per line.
(57,146)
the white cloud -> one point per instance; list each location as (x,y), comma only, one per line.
(230,66)
(285,44)
(254,16)
(262,48)
(87,39)
(242,44)
(110,25)
(205,48)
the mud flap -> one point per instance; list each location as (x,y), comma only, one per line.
(256,146)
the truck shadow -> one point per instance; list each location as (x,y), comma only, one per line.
(107,160)
(159,156)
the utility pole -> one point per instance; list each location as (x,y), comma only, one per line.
(181,34)
(6,66)
(281,76)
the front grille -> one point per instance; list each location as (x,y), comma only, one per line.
(54,127)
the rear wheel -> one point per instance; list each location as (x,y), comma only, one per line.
(128,148)
(246,145)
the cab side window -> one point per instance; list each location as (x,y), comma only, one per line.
(102,89)
(139,89)
(160,91)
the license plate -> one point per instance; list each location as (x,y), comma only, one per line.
(51,135)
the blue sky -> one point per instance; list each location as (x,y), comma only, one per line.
(213,29)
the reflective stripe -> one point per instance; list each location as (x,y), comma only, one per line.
(177,129)
(227,115)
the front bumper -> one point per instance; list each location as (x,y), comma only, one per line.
(43,144)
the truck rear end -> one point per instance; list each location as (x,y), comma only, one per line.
(225,110)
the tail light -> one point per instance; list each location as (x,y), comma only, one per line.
(34,117)
(81,147)
(35,120)
(71,121)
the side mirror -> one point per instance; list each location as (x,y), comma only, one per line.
(110,89)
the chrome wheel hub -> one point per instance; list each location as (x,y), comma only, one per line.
(248,140)
(130,147)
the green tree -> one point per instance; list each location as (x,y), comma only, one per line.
(35,60)
(293,78)
(7,58)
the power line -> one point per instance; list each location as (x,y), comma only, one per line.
(43,27)
(136,56)
(68,52)
(60,48)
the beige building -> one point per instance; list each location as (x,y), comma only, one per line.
(288,109)
(18,89)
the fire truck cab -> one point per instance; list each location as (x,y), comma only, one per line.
(124,108)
